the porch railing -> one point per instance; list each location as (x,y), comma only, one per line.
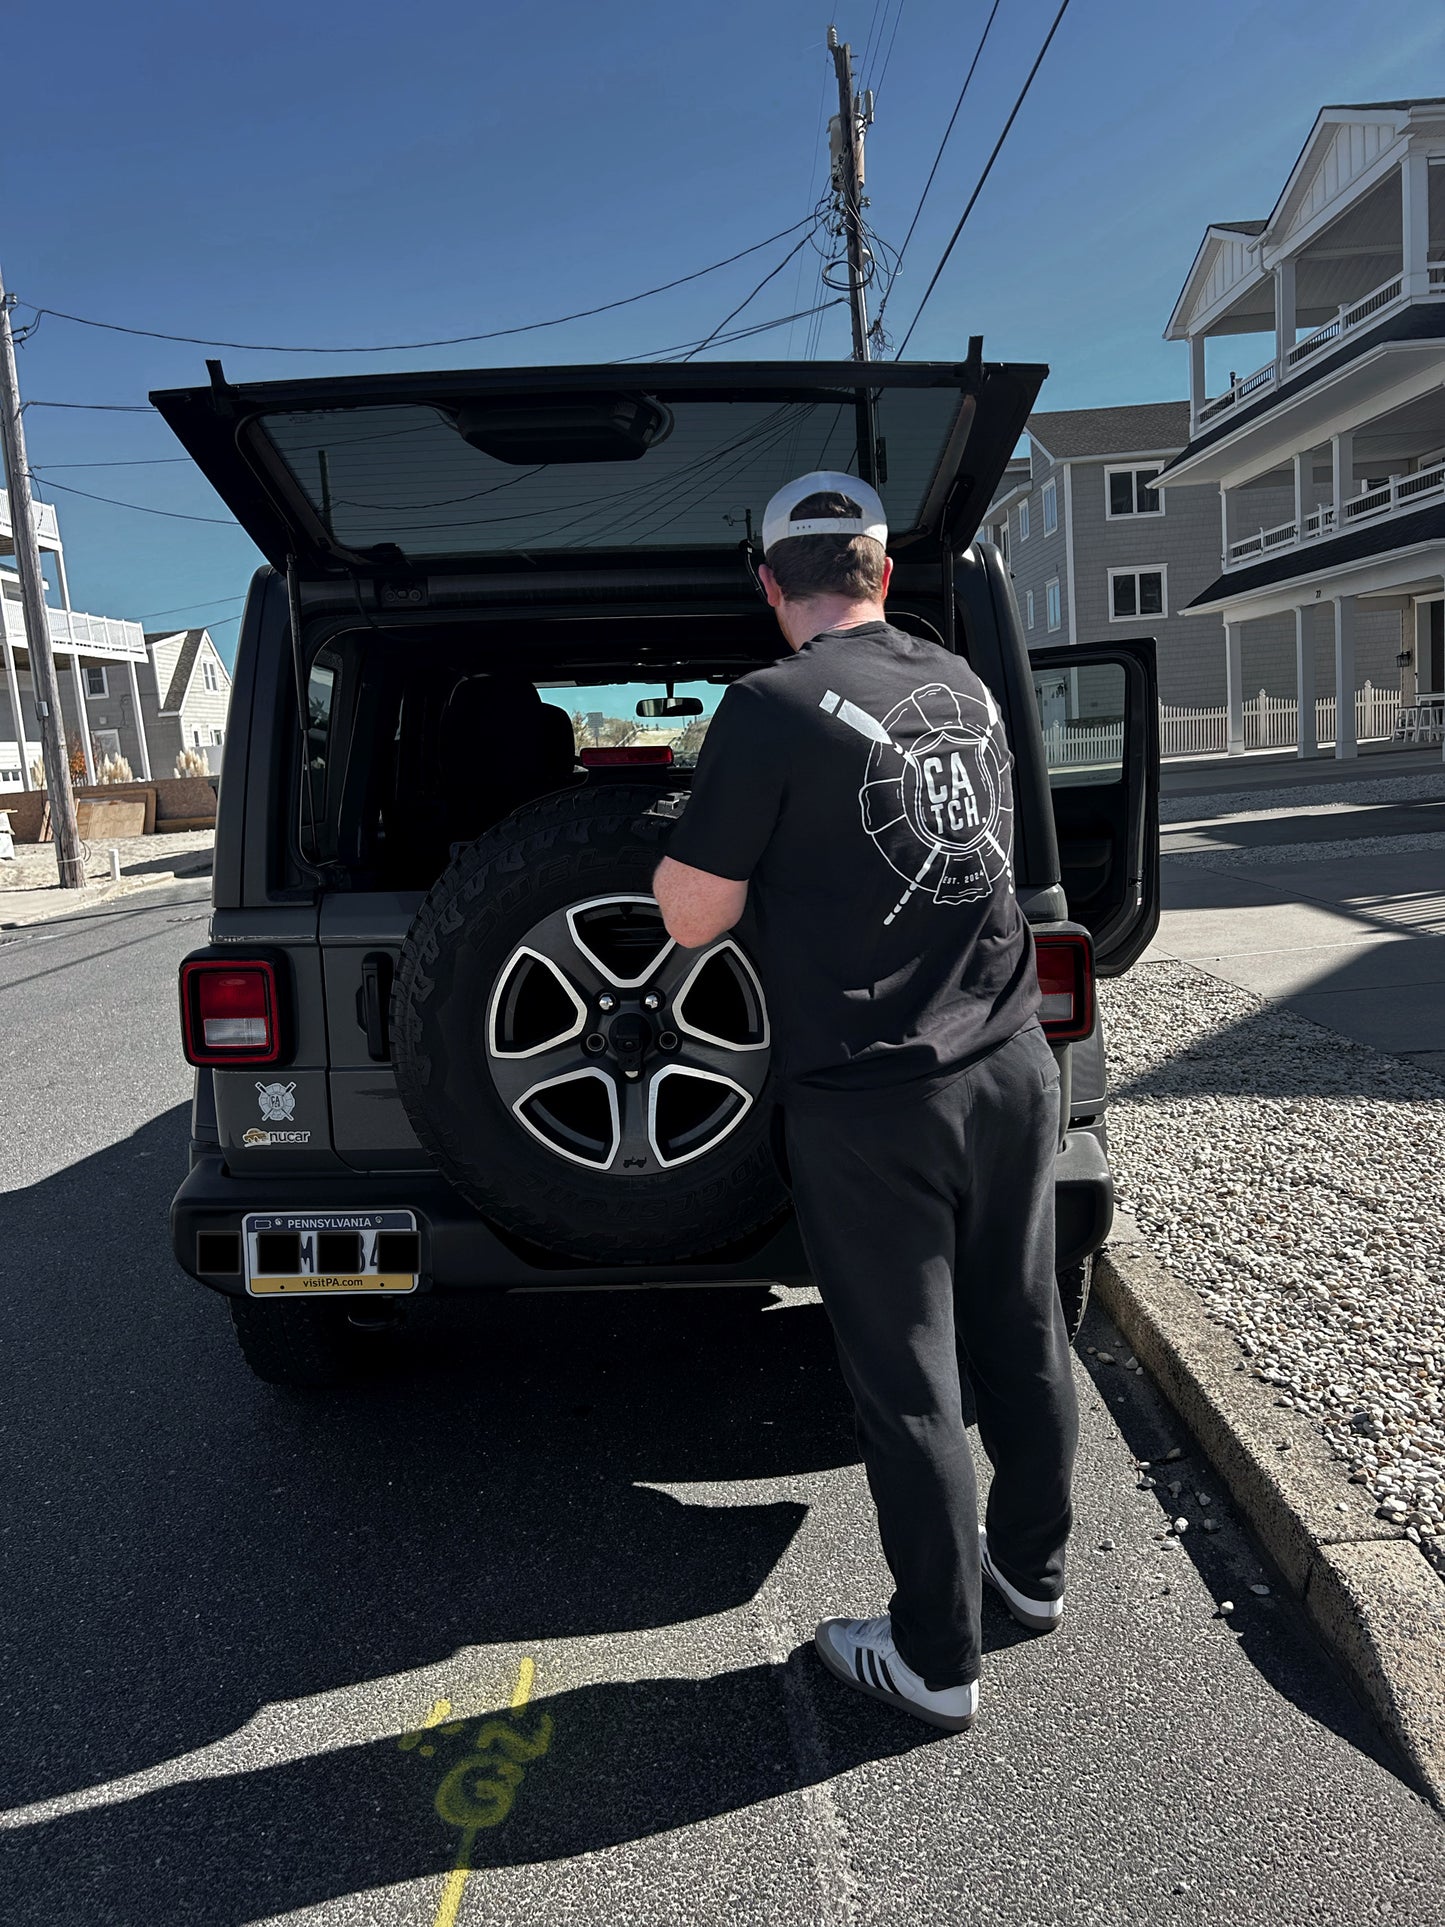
(1396,496)
(70,629)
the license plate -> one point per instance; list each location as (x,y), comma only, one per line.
(294,1253)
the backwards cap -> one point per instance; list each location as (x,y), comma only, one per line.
(779,522)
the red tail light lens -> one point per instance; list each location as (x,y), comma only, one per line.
(230,1012)
(653,753)
(1065,962)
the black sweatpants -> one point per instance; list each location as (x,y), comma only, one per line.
(929,1226)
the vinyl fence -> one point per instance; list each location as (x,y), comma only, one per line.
(1272,722)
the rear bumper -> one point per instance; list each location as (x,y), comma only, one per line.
(460,1251)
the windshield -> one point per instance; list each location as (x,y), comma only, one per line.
(406,476)
(605,716)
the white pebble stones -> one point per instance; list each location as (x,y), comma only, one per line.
(1226,1607)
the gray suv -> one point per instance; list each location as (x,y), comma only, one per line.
(442,1041)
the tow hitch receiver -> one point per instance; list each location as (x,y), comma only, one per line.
(288,1253)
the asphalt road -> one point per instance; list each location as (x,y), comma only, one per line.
(229,1612)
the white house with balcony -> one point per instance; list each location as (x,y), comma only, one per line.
(1328,457)
(121,693)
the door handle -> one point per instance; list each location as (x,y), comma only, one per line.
(373,1003)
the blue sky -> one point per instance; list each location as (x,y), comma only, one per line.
(309,173)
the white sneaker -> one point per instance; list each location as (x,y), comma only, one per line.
(862,1654)
(1039,1615)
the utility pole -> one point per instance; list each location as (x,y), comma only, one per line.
(37,620)
(845,140)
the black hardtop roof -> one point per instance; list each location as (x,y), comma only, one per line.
(667,461)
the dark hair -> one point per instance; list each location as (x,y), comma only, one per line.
(811,565)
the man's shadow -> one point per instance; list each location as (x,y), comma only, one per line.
(588,1769)
(187,1545)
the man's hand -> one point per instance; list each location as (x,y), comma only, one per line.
(696,906)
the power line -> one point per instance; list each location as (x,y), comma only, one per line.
(957,107)
(736,334)
(883,71)
(191,608)
(988,169)
(797,248)
(173,515)
(446,341)
(101,407)
(150,461)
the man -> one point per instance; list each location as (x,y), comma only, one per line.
(859,790)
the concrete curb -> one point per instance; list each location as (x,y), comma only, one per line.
(1372,1596)
(149,896)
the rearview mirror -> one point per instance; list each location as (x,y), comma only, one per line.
(670,706)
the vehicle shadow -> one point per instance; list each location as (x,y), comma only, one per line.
(187,1545)
(584,1770)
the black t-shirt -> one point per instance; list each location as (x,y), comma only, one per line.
(862,787)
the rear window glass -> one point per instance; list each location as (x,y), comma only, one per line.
(605,717)
(405,475)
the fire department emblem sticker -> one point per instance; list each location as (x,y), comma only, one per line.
(277,1102)
(936,799)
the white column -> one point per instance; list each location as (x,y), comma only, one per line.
(1345,744)
(12,681)
(140,721)
(1234,686)
(1415,223)
(84,714)
(1197,395)
(1284,311)
(1223,526)
(1304,676)
(1299,497)
(1342,472)
(60,577)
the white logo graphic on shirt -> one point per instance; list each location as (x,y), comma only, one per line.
(938,809)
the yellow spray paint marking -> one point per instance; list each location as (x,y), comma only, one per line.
(478,1792)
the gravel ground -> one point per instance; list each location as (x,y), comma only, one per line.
(1292,1175)
(1207,805)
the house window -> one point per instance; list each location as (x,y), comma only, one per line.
(1051,507)
(218,736)
(1024,520)
(1052,605)
(1029,607)
(195,739)
(208,676)
(97,680)
(1003,539)
(1138,592)
(1129,492)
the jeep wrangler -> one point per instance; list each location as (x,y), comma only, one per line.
(442,1040)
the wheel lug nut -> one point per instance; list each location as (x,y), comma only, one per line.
(606,1001)
(668,1040)
(594,1043)
(652,1001)
(631,1073)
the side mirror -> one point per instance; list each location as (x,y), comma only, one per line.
(670,706)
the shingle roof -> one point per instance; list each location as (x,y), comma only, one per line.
(185,662)
(1069,433)
(1242,227)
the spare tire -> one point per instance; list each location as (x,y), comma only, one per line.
(586,1083)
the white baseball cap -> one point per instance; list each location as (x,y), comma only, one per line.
(779,522)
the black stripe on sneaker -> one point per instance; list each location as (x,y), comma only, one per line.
(858,1652)
(870,1660)
(888,1677)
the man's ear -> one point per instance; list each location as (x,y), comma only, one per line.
(887,578)
(771,586)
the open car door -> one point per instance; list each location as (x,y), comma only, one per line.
(1099,711)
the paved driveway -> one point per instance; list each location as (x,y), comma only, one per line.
(540,1604)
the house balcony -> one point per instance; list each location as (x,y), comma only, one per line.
(1353,320)
(1396,496)
(47,529)
(107,636)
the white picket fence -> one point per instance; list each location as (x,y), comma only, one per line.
(1272,722)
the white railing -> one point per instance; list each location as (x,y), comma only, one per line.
(1272,722)
(69,629)
(46,527)
(1397,496)
(1352,315)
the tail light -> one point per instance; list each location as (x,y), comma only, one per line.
(1065,963)
(653,753)
(231,1011)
